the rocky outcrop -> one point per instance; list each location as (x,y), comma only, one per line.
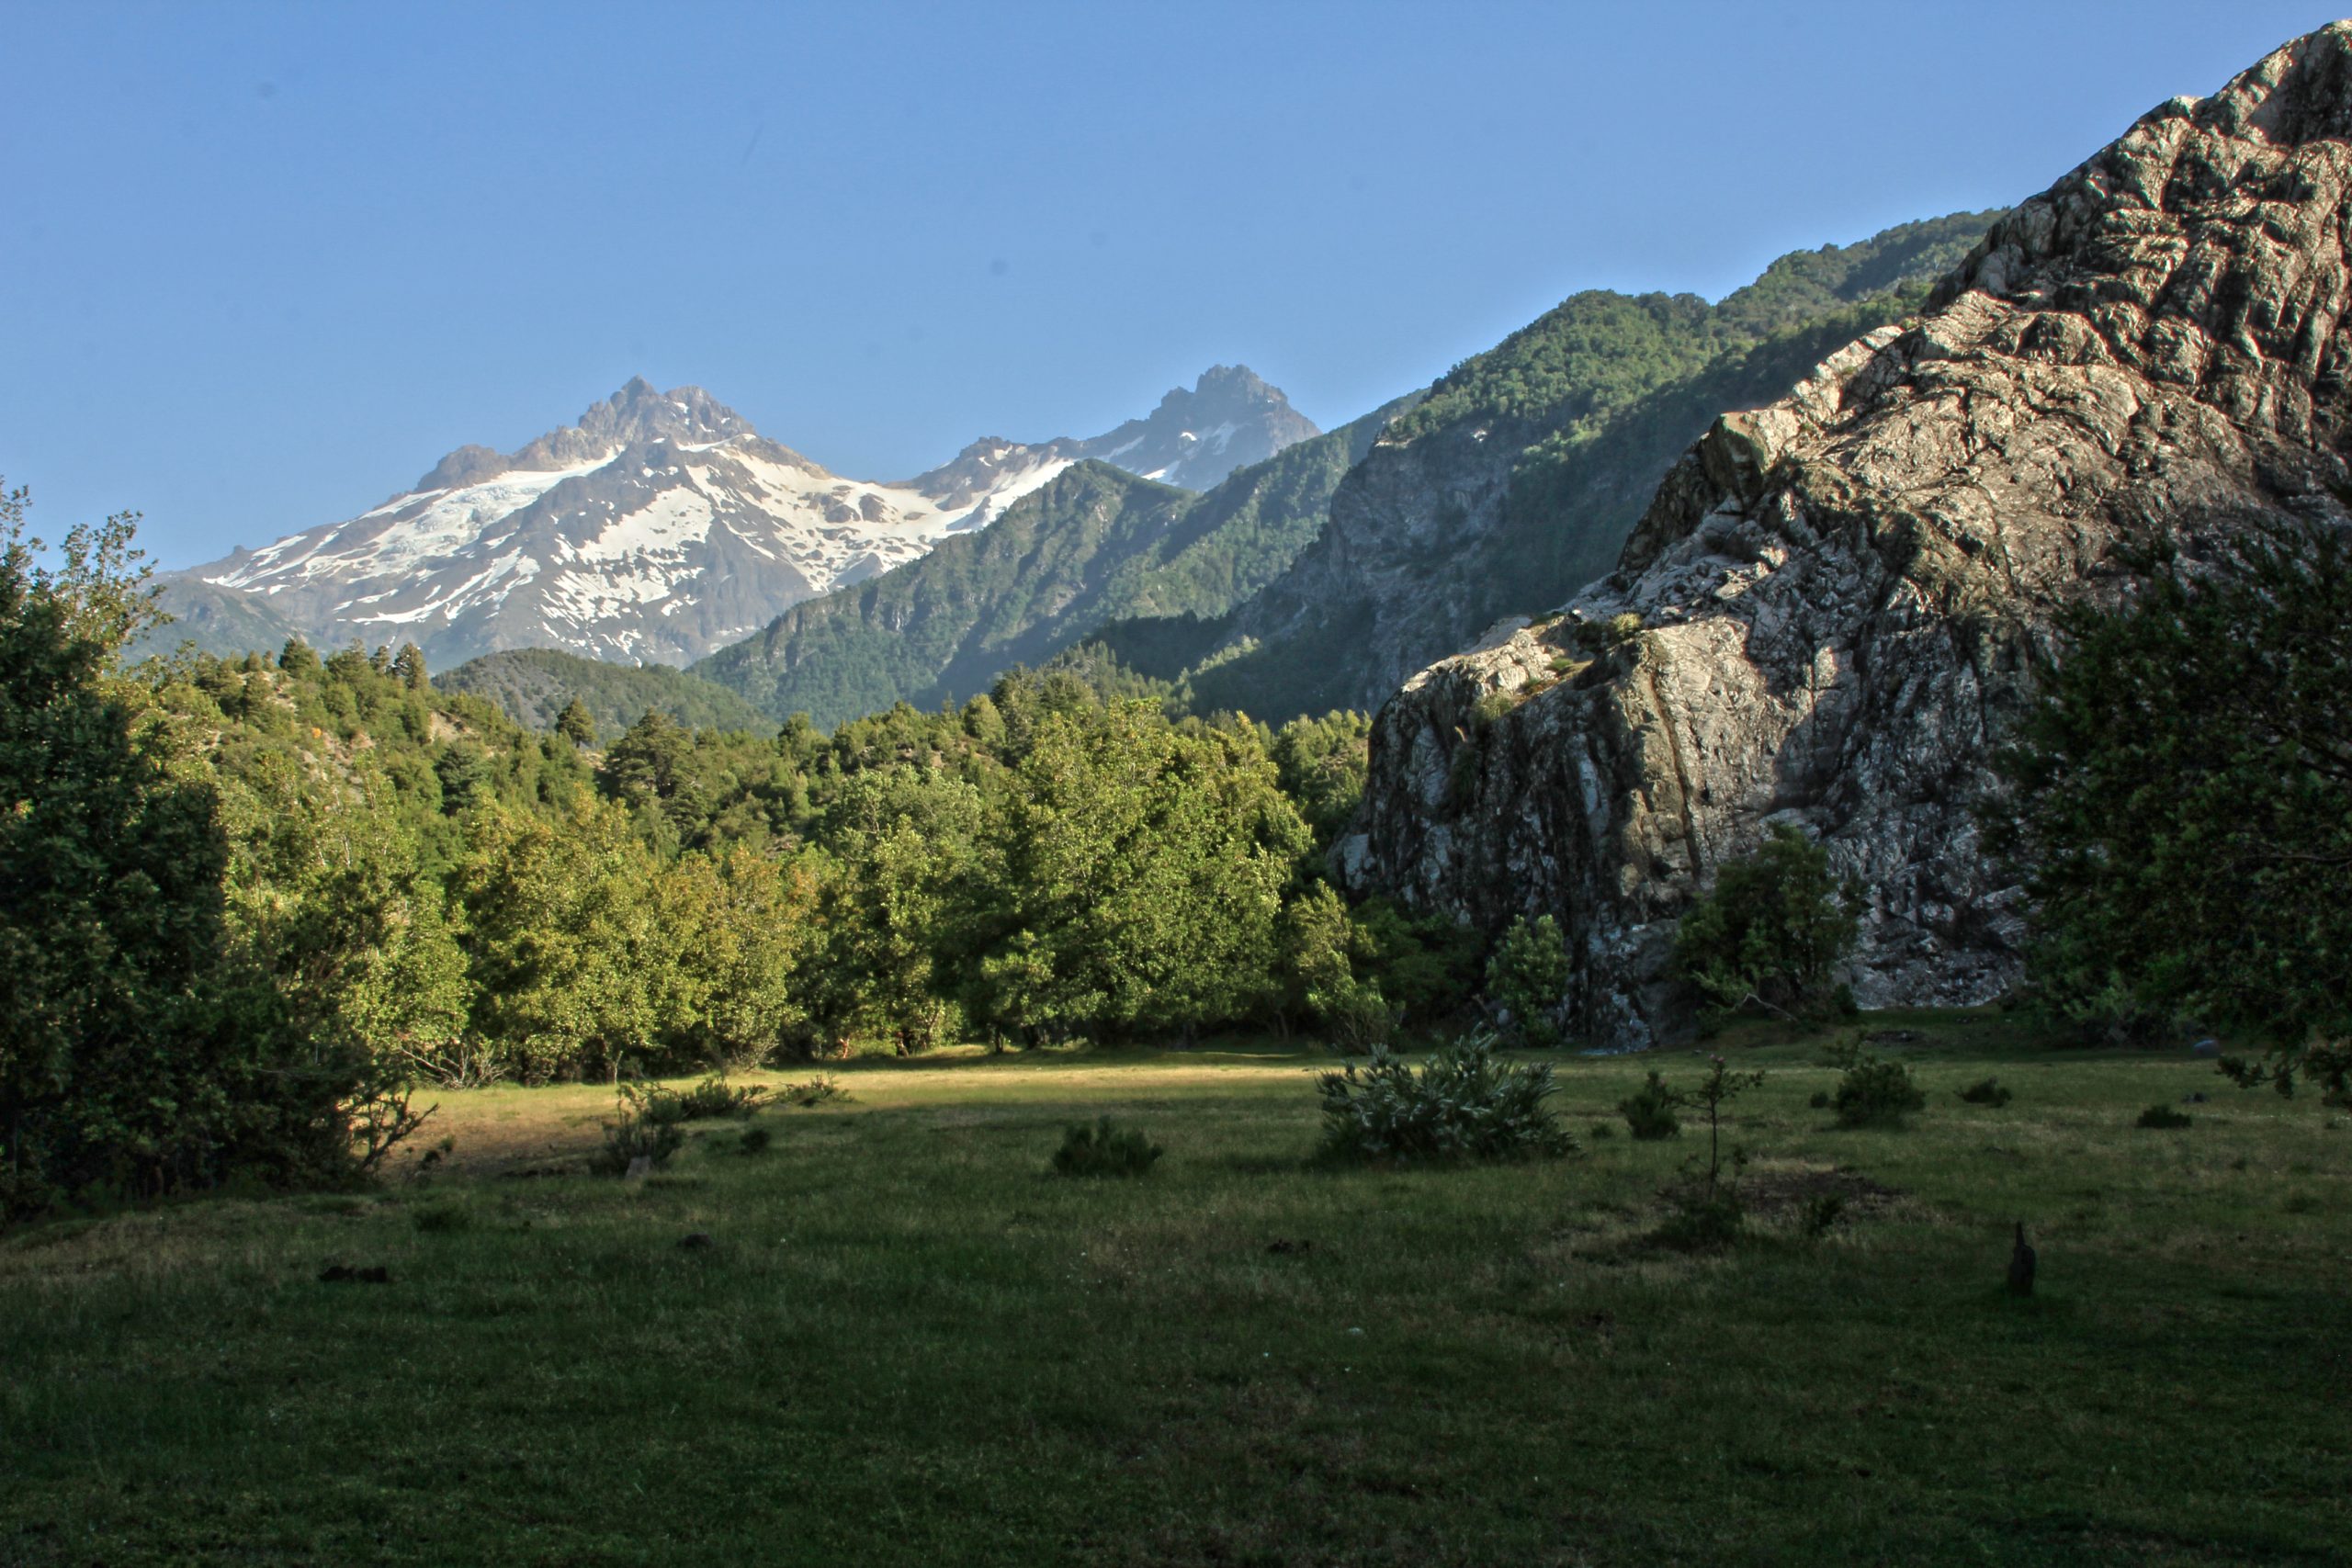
(1834,606)
(1519,477)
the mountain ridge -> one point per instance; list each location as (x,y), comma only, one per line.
(1059,563)
(1520,472)
(659,526)
(1834,607)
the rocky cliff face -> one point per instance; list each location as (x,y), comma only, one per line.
(1840,597)
(1519,477)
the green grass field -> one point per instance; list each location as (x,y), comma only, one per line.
(907,1341)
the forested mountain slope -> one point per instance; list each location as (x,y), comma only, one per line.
(532,685)
(1833,609)
(1518,477)
(1093,545)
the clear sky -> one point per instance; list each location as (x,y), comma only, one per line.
(261,265)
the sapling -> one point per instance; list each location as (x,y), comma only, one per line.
(1710,1216)
(1718,1089)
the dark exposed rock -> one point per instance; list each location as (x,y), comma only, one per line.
(1842,597)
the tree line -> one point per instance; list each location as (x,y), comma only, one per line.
(247,905)
(248,902)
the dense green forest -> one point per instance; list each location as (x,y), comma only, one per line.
(252,899)
(534,685)
(251,904)
(1095,545)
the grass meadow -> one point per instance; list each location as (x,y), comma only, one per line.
(904,1340)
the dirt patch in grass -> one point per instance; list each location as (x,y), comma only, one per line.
(1773,1192)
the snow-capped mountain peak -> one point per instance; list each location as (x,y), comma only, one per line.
(658,527)
(661,526)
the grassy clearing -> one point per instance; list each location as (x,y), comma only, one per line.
(904,1340)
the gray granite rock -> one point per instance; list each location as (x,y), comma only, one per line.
(1842,597)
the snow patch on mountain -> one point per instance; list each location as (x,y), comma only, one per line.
(662,526)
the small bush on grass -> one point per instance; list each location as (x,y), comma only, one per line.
(714,1097)
(756,1141)
(1874,1092)
(1105,1149)
(1820,1101)
(1649,1110)
(1708,1212)
(816,1091)
(1466,1104)
(442,1219)
(2163,1118)
(1822,1213)
(1992,1091)
(644,1126)
(1354,1015)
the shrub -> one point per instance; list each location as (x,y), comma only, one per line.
(1494,708)
(644,1126)
(442,1219)
(1992,1091)
(1822,1211)
(756,1141)
(1105,1149)
(1820,1101)
(714,1096)
(1702,1221)
(1466,1104)
(816,1091)
(1875,1092)
(1708,1212)
(1649,1110)
(2164,1117)
(1426,968)
(1528,974)
(1771,931)
(1356,1018)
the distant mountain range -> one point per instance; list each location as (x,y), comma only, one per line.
(1093,545)
(661,526)
(1222,542)
(1516,480)
(1323,576)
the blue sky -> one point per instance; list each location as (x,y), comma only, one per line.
(260,266)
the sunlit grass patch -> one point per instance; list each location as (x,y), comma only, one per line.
(905,1339)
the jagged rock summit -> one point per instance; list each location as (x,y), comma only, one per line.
(658,527)
(1840,597)
(1230,420)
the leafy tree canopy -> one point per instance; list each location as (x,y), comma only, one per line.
(2183,799)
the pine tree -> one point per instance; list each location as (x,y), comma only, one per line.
(576,725)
